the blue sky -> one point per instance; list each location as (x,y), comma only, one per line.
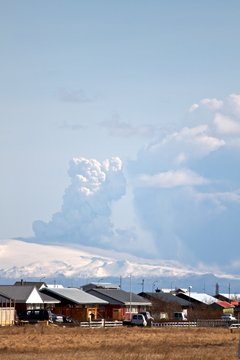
(119,126)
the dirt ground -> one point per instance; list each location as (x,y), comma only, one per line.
(38,342)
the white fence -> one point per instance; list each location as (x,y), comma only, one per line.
(7,316)
(175,324)
(198,323)
(100,324)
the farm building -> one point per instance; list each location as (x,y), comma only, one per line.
(121,304)
(202,305)
(165,304)
(76,303)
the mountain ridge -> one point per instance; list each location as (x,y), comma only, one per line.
(25,259)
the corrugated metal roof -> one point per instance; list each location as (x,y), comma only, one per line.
(166,297)
(201,297)
(74,295)
(49,299)
(118,296)
(17,293)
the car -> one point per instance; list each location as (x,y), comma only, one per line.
(139,320)
(228,317)
(36,315)
(33,315)
(59,318)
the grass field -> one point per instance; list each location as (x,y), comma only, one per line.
(38,342)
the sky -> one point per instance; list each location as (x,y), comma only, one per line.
(120,126)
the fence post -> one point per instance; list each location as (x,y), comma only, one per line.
(103,323)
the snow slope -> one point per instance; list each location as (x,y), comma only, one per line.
(20,258)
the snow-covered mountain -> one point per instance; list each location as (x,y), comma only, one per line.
(20,258)
(68,265)
(24,259)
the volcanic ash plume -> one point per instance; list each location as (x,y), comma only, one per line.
(85,216)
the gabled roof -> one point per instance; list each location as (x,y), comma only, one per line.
(21,294)
(120,297)
(73,295)
(165,297)
(198,297)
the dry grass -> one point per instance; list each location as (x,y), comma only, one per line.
(37,342)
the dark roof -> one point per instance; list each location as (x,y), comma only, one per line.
(72,296)
(4,299)
(165,297)
(99,285)
(18,293)
(119,297)
(49,299)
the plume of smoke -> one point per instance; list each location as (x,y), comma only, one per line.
(85,216)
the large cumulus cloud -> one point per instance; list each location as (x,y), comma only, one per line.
(187,185)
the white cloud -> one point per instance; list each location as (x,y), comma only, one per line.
(234,100)
(172,179)
(193,107)
(181,158)
(212,104)
(220,199)
(196,139)
(226,125)
(186,193)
